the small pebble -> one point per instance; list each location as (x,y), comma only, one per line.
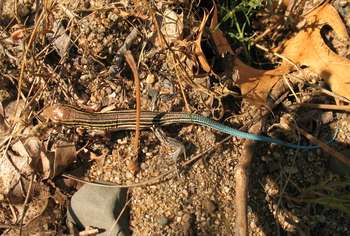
(143,166)
(209,206)
(343,3)
(87,4)
(122,141)
(129,175)
(326,117)
(265,158)
(150,79)
(85,77)
(188,225)
(226,189)
(163,220)
(148,154)
(178,219)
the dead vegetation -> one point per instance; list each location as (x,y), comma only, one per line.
(102,55)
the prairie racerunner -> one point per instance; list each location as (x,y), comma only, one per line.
(125,120)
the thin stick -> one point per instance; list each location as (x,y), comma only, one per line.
(325,147)
(241,178)
(324,106)
(130,60)
(119,216)
(330,93)
(291,88)
(24,56)
(25,204)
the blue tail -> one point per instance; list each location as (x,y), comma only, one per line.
(201,120)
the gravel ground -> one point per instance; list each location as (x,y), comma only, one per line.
(285,184)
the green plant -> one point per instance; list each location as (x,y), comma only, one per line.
(330,193)
(236,19)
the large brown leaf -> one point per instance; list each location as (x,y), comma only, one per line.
(307,48)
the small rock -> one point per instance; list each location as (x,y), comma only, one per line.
(87,4)
(163,220)
(343,3)
(129,175)
(98,207)
(62,41)
(326,117)
(322,218)
(150,79)
(209,206)
(265,158)
(252,225)
(189,221)
(143,166)
(226,189)
(148,154)
(85,77)
(178,219)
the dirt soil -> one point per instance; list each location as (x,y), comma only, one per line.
(69,52)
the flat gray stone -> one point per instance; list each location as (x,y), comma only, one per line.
(99,207)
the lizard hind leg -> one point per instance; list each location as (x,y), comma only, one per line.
(177,146)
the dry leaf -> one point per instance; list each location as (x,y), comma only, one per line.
(198,49)
(20,149)
(172,25)
(18,34)
(13,110)
(222,45)
(54,163)
(3,125)
(34,148)
(61,41)
(257,84)
(306,47)
(30,148)
(12,166)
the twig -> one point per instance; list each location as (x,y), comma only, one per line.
(278,55)
(130,60)
(325,147)
(13,212)
(24,56)
(324,106)
(124,48)
(25,204)
(119,216)
(187,105)
(291,88)
(241,179)
(89,232)
(127,43)
(8,226)
(241,175)
(330,93)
